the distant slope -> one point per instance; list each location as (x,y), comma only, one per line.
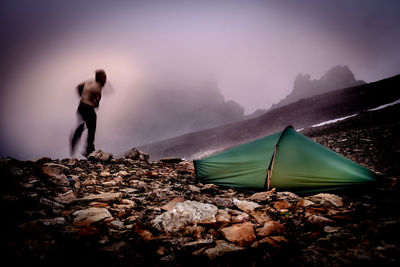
(300,114)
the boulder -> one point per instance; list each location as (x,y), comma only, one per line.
(182,214)
(223,216)
(55,173)
(326,199)
(136,154)
(105,174)
(331,229)
(240,234)
(58,221)
(303,203)
(99,155)
(66,198)
(90,215)
(289,196)
(103,197)
(269,228)
(315,219)
(246,206)
(262,196)
(281,205)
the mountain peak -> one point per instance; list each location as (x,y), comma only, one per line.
(335,78)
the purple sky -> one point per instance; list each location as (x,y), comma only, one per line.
(254,49)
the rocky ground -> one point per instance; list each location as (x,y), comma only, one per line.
(130,212)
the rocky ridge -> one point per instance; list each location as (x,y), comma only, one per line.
(304,87)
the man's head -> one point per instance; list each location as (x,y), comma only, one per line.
(101,77)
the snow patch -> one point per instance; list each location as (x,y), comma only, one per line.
(386,105)
(332,121)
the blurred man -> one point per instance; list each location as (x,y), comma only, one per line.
(90,94)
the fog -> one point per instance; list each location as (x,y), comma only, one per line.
(250,51)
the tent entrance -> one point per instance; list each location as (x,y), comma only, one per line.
(270,169)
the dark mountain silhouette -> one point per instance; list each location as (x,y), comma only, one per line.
(176,108)
(335,78)
(302,113)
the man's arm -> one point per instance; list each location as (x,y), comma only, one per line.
(80,88)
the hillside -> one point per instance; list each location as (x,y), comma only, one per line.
(303,113)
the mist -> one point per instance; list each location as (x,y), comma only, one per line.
(246,52)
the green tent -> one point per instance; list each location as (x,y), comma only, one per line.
(284,160)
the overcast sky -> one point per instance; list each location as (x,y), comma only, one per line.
(254,49)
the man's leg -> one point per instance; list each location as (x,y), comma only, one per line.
(76,137)
(91,126)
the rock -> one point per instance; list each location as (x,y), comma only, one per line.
(41,160)
(55,173)
(58,221)
(331,229)
(240,234)
(209,188)
(220,249)
(170,205)
(287,196)
(109,184)
(103,197)
(144,234)
(269,228)
(123,173)
(66,198)
(185,213)
(194,231)
(245,206)
(115,246)
(262,196)
(136,154)
(281,205)
(161,251)
(315,219)
(99,155)
(9,168)
(90,215)
(71,162)
(105,174)
(116,224)
(50,203)
(223,216)
(128,202)
(273,241)
(185,166)
(305,203)
(199,243)
(238,216)
(194,189)
(314,211)
(326,199)
(99,204)
(128,191)
(223,202)
(261,216)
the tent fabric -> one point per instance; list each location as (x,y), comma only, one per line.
(299,164)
